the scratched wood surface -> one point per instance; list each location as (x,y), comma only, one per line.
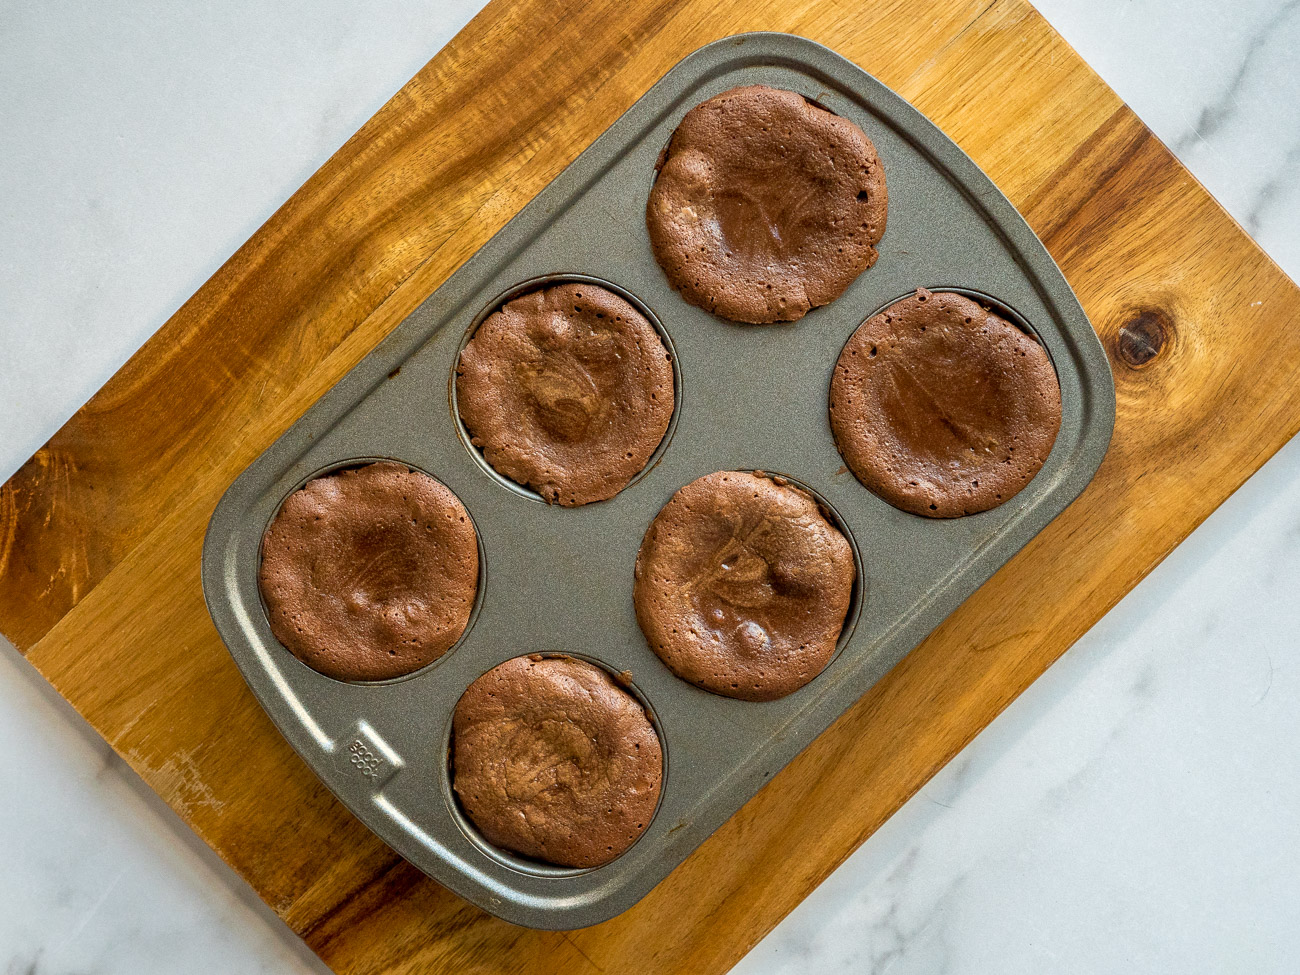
(100,532)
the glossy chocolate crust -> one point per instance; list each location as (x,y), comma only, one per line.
(742,585)
(765,205)
(369,573)
(942,408)
(568,390)
(553,760)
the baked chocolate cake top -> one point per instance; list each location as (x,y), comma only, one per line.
(553,760)
(943,408)
(369,573)
(742,585)
(568,390)
(765,205)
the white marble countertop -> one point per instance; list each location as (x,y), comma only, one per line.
(1138,809)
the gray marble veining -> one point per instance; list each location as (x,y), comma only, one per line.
(1228,105)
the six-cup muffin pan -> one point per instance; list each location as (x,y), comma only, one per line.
(559,580)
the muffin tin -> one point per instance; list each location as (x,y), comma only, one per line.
(560,579)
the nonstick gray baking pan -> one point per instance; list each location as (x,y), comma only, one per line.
(559,580)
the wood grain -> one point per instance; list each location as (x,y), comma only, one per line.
(100,532)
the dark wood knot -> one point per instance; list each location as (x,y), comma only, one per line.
(1143,337)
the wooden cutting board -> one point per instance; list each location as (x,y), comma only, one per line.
(100,532)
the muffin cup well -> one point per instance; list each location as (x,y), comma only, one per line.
(352,464)
(527,287)
(994,307)
(516,861)
(857,591)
